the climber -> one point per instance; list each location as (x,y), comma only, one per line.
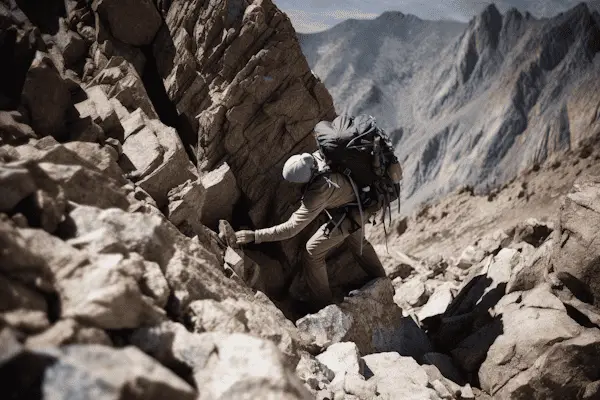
(336,194)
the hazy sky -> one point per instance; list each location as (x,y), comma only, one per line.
(318,15)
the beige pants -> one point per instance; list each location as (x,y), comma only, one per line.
(319,245)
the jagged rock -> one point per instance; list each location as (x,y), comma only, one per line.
(86,130)
(86,186)
(369,318)
(437,303)
(21,263)
(132,21)
(536,348)
(576,250)
(258,317)
(17,183)
(445,365)
(21,307)
(220,195)
(398,377)
(47,98)
(242,92)
(123,83)
(45,207)
(103,290)
(493,242)
(185,203)
(98,107)
(143,152)
(342,358)
(68,331)
(72,46)
(532,231)
(531,271)
(91,370)
(224,366)
(12,129)
(460,392)
(190,269)
(315,375)
(412,293)
(205,201)
(356,385)
(153,283)
(174,169)
(470,256)
(103,158)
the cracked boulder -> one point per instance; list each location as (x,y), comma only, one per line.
(110,374)
(577,248)
(370,318)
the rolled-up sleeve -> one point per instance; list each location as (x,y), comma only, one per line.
(315,200)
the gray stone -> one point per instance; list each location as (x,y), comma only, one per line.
(12,129)
(341,358)
(134,22)
(46,95)
(68,331)
(398,377)
(220,195)
(16,183)
(106,373)
(315,375)
(223,365)
(576,249)
(412,293)
(437,303)
(101,111)
(142,153)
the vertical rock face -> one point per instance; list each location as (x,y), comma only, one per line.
(235,71)
(577,252)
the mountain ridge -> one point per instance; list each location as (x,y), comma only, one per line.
(475,108)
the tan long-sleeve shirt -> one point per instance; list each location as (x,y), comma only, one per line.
(320,195)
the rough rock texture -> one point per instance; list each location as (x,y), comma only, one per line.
(109,242)
(369,318)
(577,251)
(96,370)
(224,365)
(236,73)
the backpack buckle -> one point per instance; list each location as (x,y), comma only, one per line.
(347,172)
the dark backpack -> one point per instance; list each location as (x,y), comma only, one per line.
(358,148)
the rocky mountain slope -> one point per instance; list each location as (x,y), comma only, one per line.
(131,132)
(474,105)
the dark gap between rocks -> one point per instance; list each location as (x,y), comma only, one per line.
(579,317)
(166,110)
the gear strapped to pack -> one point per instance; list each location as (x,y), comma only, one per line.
(361,151)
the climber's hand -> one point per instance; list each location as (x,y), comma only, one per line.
(244,237)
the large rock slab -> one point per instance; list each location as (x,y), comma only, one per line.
(577,249)
(249,94)
(398,377)
(93,372)
(224,365)
(47,98)
(256,316)
(525,357)
(369,318)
